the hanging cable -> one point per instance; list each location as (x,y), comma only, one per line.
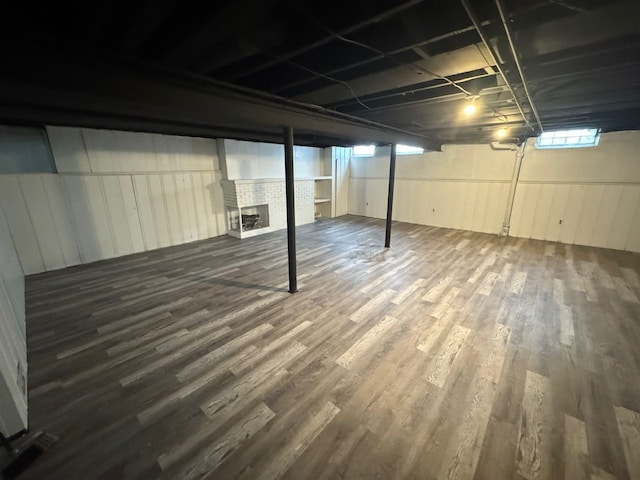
(386,55)
(322,75)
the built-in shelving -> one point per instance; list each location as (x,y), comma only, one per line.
(323,186)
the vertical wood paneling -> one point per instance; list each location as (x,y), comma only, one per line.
(587,221)
(532,194)
(158,205)
(19,222)
(572,213)
(98,145)
(623,218)
(469,204)
(633,240)
(605,214)
(516,211)
(69,153)
(541,213)
(187,209)
(480,207)
(165,160)
(494,209)
(13,344)
(434,192)
(556,212)
(594,215)
(214,225)
(42,220)
(199,200)
(62,219)
(131,212)
(173,209)
(90,218)
(145,212)
(342,181)
(458,191)
(118,221)
(98,208)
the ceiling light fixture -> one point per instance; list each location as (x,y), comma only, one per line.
(470,108)
(501,133)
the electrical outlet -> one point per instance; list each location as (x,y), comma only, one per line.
(560,222)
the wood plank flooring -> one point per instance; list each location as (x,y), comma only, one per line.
(452,355)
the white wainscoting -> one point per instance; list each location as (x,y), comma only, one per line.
(115,193)
(476,206)
(599,215)
(13,339)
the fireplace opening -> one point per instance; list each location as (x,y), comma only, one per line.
(247,219)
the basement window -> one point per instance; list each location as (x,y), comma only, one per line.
(583,137)
(408,150)
(364,150)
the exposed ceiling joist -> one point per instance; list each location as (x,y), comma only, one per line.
(106,92)
(494,59)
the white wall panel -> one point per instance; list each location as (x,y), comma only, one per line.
(479,210)
(587,195)
(145,212)
(594,215)
(42,221)
(588,212)
(187,207)
(199,200)
(22,231)
(557,210)
(97,207)
(572,212)
(131,212)
(541,211)
(623,218)
(13,344)
(62,219)
(69,152)
(173,209)
(341,178)
(470,200)
(90,218)
(118,221)
(605,214)
(633,240)
(159,208)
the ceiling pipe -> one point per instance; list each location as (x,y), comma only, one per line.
(494,58)
(517,60)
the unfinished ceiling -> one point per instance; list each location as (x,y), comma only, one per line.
(527,65)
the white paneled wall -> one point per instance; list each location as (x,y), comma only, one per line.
(255,160)
(602,215)
(115,193)
(342,157)
(13,341)
(465,187)
(584,196)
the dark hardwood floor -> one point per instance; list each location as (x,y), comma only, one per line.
(451,355)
